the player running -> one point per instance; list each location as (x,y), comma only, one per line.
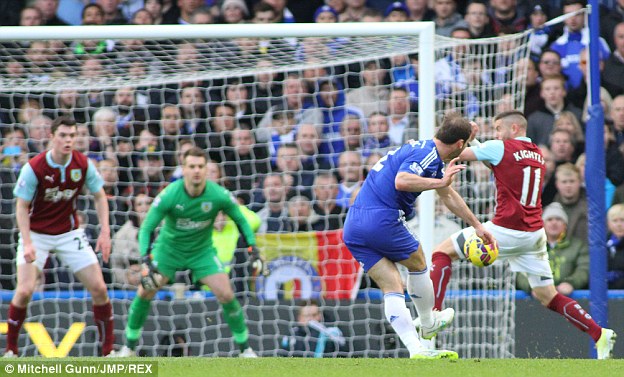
(46,192)
(377,235)
(518,168)
(189,207)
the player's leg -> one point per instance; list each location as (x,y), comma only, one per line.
(168,264)
(208,269)
(441,270)
(219,284)
(26,282)
(378,256)
(74,250)
(91,277)
(441,263)
(137,315)
(534,262)
(387,277)
(27,275)
(419,285)
(420,289)
(574,313)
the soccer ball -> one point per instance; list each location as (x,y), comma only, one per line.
(478,253)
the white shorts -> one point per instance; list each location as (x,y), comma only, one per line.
(525,251)
(72,248)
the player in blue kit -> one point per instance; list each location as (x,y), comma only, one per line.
(377,235)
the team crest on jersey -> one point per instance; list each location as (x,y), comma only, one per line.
(76,175)
(206,206)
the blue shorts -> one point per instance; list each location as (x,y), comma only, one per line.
(374,233)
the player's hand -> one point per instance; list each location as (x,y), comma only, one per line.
(256,261)
(150,277)
(475,131)
(103,244)
(450,170)
(29,253)
(486,236)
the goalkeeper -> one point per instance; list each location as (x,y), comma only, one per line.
(189,207)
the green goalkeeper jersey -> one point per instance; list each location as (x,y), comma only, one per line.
(189,220)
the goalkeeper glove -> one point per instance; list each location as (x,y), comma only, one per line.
(256,262)
(150,277)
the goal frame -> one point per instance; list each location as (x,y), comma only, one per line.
(426,61)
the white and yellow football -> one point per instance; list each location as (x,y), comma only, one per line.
(480,254)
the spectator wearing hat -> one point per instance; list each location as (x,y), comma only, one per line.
(574,39)
(234,11)
(325,14)
(615,247)
(543,35)
(568,255)
(321,47)
(396,12)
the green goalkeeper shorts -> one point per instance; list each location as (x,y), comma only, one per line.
(201,263)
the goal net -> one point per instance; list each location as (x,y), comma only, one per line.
(141,95)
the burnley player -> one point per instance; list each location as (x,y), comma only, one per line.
(518,168)
(189,207)
(377,235)
(46,192)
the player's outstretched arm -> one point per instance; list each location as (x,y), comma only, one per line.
(469,154)
(409,182)
(453,201)
(154,216)
(22,216)
(104,241)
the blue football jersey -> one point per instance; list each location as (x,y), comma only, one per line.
(416,157)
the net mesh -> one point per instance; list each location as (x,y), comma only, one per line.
(139,102)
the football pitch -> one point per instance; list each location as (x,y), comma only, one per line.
(296,367)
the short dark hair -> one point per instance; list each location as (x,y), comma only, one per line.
(195,152)
(582,3)
(62,121)
(549,51)
(454,127)
(264,7)
(92,5)
(514,116)
(229,105)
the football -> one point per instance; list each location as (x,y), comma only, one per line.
(478,253)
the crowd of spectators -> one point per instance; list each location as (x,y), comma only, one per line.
(294,147)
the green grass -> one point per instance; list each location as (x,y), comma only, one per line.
(277,367)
